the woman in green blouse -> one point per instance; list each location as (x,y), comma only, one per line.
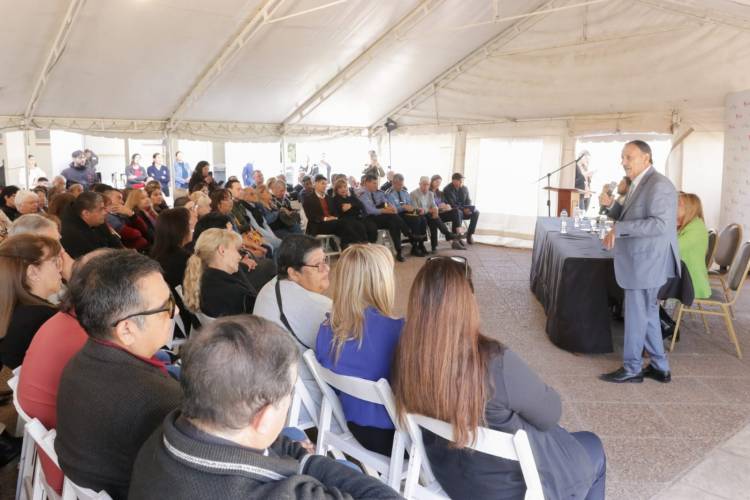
(692,238)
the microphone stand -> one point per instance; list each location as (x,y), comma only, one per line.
(548,175)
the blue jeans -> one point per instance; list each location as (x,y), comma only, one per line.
(593,446)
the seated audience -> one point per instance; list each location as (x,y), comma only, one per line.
(217,280)
(58,186)
(53,345)
(360,336)
(389,181)
(30,268)
(202,203)
(692,238)
(8,202)
(58,203)
(258,179)
(398,196)
(385,216)
(75,189)
(222,203)
(43,225)
(347,205)
(155,194)
(289,220)
(123,220)
(307,188)
(297,291)
(457,196)
(27,202)
(112,393)
(238,376)
(321,219)
(247,212)
(5,225)
(446,369)
(423,201)
(84,226)
(41,193)
(447,212)
(141,221)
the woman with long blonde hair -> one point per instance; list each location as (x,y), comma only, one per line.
(359,337)
(446,369)
(216,281)
(692,239)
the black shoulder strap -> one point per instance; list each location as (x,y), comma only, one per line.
(283,316)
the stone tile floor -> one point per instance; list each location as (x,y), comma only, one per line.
(653,433)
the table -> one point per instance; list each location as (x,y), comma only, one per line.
(573,277)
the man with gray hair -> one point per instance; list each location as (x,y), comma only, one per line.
(424,201)
(27,202)
(238,376)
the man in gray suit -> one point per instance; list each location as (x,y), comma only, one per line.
(644,239)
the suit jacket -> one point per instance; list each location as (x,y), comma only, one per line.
(79,239)
(314,211)
(646,251)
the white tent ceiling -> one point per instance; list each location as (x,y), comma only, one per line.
(355,62)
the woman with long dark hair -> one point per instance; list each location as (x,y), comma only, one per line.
(171,235)
(202,174)
(135,173)
(446,369)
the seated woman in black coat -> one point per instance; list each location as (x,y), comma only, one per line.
(30,269)
(346,205)
(321,219)
(445,369)
(217,281)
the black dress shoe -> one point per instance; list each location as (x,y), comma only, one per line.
(658,375)
(400,257)
(620,376)
(469,239)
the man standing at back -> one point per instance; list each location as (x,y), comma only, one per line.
(112,393)
(644,240)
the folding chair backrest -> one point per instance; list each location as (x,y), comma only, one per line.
(728,245)
(713,238)
(500,444)
(301,399)
(740,268)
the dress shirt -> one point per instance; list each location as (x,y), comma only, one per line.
(372,200)
(425,201)
(399,198)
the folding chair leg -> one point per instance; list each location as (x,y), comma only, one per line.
(703,317)
(676,327)
(730,328)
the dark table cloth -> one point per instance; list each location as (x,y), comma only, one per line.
(573,277)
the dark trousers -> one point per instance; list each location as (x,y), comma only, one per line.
(417,224)
(347,229)
(395,226)
(453,217)
(434,225)
(593,446)
(473,219)
(373,438)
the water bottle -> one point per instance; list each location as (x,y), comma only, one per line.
(576,218)
(564,214)
(602,232)
(564,227)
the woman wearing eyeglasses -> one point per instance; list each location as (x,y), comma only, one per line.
(360,336)
(446,369)
(216,279)
(30,269)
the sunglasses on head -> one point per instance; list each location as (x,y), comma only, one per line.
(458,259)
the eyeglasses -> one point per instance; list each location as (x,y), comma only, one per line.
(170,307)
(321,266)
(458,259)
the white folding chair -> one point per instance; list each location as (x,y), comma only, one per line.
(72,491)
(389,470)
(500,444)
(384,238)
(28,451)
(331,244)
(302,399)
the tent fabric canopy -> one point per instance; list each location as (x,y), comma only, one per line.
(263,68)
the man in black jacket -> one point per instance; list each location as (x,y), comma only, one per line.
(456,195)
(238,376)
(321,218)
(112,393)
(84,226)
